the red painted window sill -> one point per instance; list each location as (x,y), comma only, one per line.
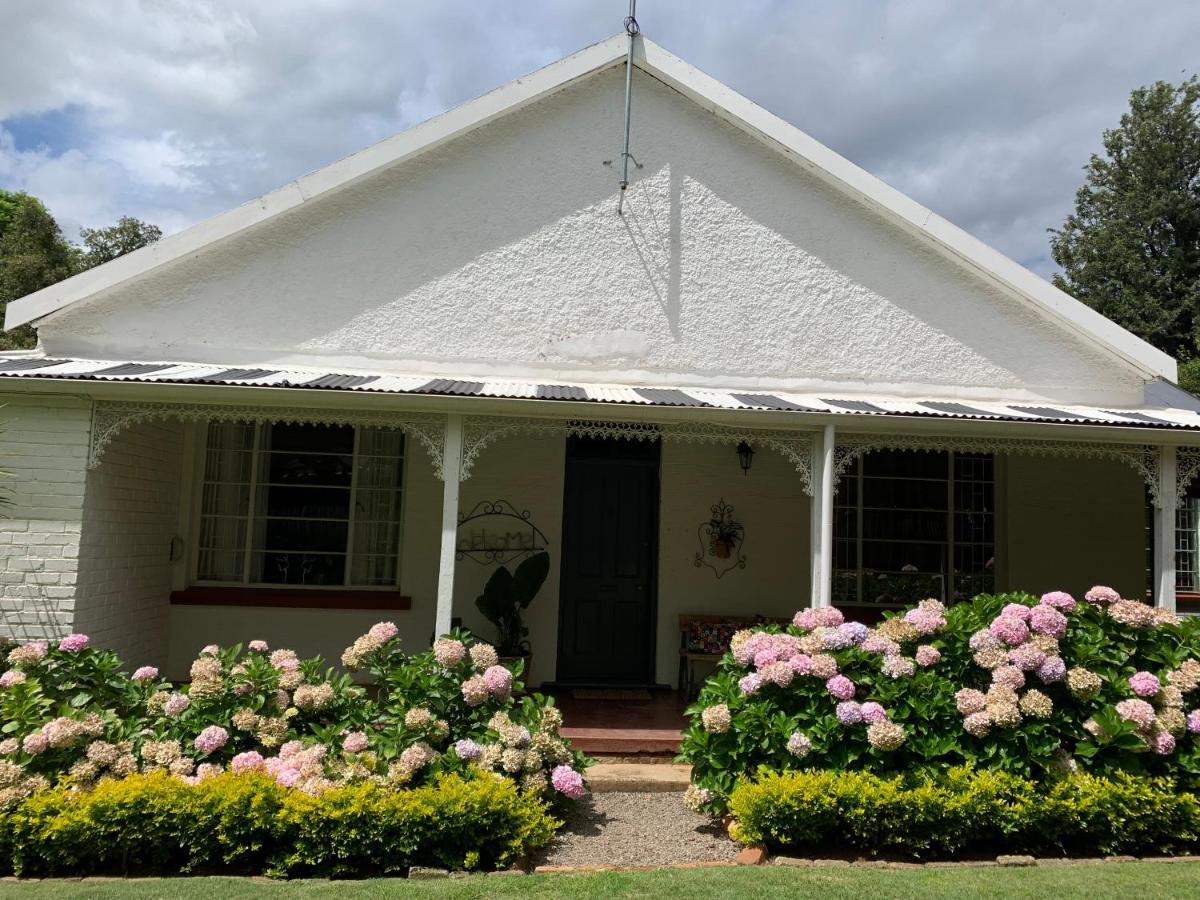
(285,598)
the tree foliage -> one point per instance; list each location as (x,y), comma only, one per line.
(1131,248)
(104,244)
(34,254)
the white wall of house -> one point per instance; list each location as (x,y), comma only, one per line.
(732,266)
(130,516)
(43,451)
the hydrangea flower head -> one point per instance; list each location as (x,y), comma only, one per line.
(970,701)
(778,673)
(1139,712)
(474,690)
(176,704)
(355,742)
(978,724)
(258,646)
(73,642)
(1049,621)
(841,687)
(250,761)
(1162,743)
(1145,684)
(467,750)
(11,677)
(898,666)
(716,719)
(857,631)
(928,617)
(1010,629)
(483,656)
(872,712)
(878,643)
(1059,600)
(750,684)
(210,739)
(145,673)
(498,681)
(849,712)
(1052,670)
(383,631)
(1101,595)
(449,652)
(567,782)
(1008,675)
(927,655)
(1193,721)
(799,745)
(1026,657)
(28,654)
(885,736)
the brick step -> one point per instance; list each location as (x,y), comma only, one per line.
(624,740)
(638,778)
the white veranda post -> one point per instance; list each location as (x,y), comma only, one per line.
(1164,531)
(821,525)
(451,474)
(827,518)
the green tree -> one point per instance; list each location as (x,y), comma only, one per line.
(103,244)
(1131,248)
(34,254)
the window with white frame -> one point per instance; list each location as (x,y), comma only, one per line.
(301,505)
(911,525)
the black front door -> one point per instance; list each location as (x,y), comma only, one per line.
(610,547)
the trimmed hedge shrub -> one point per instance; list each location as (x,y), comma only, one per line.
(965,811)
(159,824)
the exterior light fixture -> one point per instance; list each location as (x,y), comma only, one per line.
(745,456)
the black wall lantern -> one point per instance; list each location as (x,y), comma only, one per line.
(745,456)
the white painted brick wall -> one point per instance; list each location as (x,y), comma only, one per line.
(131,512)
(43,449)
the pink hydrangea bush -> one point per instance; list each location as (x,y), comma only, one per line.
(1034,686)
(266,711)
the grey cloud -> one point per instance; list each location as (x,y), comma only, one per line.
(984,112)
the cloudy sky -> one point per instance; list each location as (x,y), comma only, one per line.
(174,110)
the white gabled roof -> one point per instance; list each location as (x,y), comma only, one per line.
(710,94)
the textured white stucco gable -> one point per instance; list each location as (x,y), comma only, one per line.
(500,254)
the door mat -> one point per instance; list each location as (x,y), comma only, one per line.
(609,694)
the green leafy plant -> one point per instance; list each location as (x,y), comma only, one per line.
(505,598)
(965,810)
(156,824)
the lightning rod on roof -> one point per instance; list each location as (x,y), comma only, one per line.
(631,29)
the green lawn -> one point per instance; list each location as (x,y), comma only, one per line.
(1094,882)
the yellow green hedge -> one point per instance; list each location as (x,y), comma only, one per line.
(157,824)
(965,811)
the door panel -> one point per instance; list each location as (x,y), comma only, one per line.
(610,530)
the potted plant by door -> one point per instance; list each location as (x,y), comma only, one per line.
(504,599)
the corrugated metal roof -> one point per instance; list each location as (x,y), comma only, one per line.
(1149,416)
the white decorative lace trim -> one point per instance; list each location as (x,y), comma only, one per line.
(1141,458)
(481,431)
(109,418)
